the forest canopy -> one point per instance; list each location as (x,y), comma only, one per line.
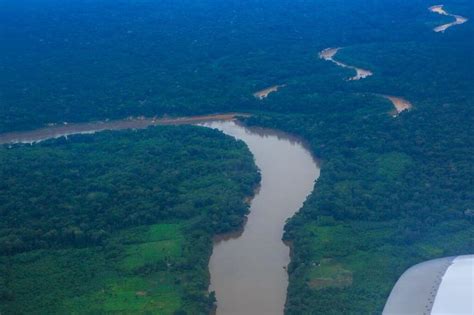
(137,209)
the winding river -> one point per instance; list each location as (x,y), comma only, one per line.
(262,94)
(67,129)
(440,10)
(399,103)
(248,270)
(329,54)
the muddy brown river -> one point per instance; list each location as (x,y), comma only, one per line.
(68,129)
(248,270)
(458,20)
(329,55)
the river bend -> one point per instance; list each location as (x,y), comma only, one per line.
(248,271)
(439,9)
(329,55)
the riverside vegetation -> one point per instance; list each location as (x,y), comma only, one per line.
(118,221)
(393,191)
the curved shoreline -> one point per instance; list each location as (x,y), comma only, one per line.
(399,103)
(68,129)
(439,9)
(248,268)
(262,94)
(329,54)
(289,171)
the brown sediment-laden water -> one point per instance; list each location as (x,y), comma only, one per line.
(329,54)
(265,92)
(440,10)
(67,129)
(399,103)
(248,270)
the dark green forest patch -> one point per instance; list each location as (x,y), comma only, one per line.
(118,222)
(392,165)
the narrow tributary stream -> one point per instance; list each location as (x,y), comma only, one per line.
(440,10)
(400,104)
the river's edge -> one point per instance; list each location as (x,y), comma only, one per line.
(165,271)
(58,131)
(244,244)
(66,129)
(217,238)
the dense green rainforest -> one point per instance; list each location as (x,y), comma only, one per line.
(119,221)
(393,191)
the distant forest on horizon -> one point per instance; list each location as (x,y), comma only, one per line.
(92,60)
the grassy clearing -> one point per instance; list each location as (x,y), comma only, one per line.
(352,257)
(155,294)
(105,279)
(329,273)
(158,244)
